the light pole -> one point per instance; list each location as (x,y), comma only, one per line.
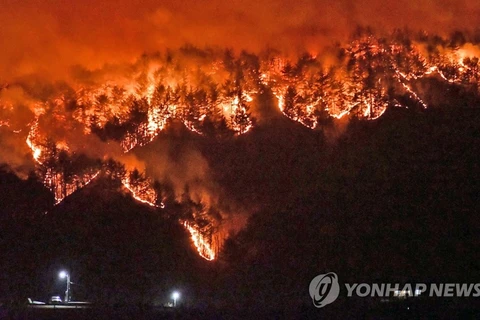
(175,296)
(63,275)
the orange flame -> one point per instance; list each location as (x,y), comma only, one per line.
(343,95)
(142,193)
(36,150)
(204,248)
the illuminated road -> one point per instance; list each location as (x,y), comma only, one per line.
(59,306)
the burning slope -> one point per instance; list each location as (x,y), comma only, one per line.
(369,78)
(203,246)
(214,93)
(141,190)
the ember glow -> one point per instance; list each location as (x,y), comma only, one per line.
(204,248)
(36,150)
(62,189)
(141,189)
(142,192)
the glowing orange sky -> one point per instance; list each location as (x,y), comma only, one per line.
(50,35)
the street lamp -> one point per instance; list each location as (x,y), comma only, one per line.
(175,296)
(63,275)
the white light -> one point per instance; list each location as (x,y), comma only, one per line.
(175,295)
(63,274)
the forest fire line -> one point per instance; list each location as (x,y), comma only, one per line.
(57,180)
(142,192)
(204,248)
(36,150)
(213,94)
(62,189)
(219,94)
(139,187)
(147,196)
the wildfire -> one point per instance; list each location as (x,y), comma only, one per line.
(55,181)
(36,150)
(77,183)
(214,96)
(362,85)
(204,248)
(142,192)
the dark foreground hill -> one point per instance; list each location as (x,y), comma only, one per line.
(392,200)
(117,250)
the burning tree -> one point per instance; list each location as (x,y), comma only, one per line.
(63,173)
